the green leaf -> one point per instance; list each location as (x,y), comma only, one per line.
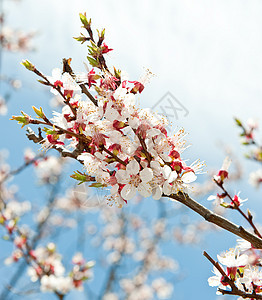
(84,20)
(82,38)
(238,122)
(97,185)
(49,131)
(81,177)
(26,63)
(93,62)
(24,119)
(39,112)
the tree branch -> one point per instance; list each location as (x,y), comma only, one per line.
(216,219)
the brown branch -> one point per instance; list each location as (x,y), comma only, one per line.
(88,94)
(143,144)
(115,156)
(240,293)
(38,139)
(60,296)
(216,219)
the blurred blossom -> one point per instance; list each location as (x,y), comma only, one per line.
(3,106)
(162,288)
(15,40)
(110,296)
(56,101)
(255,178)
(49,169)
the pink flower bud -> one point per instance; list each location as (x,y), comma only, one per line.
(105,49)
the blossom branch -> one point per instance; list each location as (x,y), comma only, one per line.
(216,219)
(21,168)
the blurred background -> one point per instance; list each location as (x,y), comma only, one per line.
(205,54)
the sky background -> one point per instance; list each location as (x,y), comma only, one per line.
(205,53)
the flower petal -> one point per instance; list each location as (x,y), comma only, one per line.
(128,192)
(133,167)
(144,189)
(189,177)
(146,175)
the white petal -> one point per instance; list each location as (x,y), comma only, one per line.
(214,281)
(166,171)
(167,188)
(128,192)
(146,175)
(211,197)
(189,177)
(133,167)
(172,176)
(111,114)
(144,190)
(155,165)
(133,122)
(157,193)
(122,176)
(114,189)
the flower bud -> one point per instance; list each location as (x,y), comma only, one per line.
(26,63)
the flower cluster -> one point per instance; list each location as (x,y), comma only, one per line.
(242,270)
(120,145)
(51,272)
